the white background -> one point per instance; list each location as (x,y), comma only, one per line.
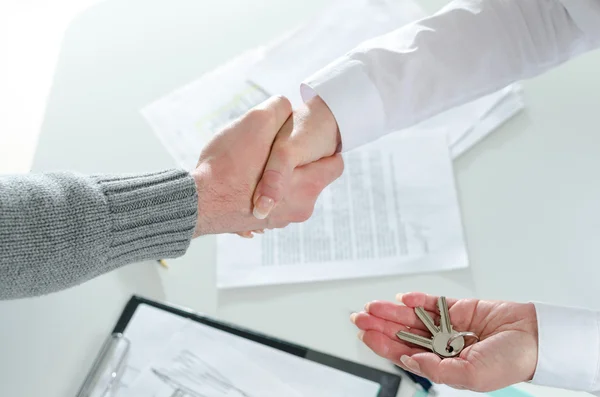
(529,193)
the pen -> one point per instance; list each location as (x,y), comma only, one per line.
(419,380)
(163,263)
(424,383)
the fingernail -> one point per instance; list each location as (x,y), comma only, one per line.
(361,335)
(399,297)
(411,364)
(367,307)
(259,231)
(353,318)
(262,207)
(246,235)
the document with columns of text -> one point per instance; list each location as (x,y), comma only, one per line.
(394,210)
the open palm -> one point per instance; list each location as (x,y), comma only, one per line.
(506,353)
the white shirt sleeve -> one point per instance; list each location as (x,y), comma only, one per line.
(568,348)
(468,49)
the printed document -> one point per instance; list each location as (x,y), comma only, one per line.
(393,211)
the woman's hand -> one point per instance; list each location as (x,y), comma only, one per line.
(505,355)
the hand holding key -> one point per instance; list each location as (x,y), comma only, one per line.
(506,353)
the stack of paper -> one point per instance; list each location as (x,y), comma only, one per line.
(395,209)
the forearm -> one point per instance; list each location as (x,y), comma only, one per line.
(59,230)
(468,49)
(568,348)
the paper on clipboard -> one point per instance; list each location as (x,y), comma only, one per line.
(183,352)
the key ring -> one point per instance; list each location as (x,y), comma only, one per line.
(461,335)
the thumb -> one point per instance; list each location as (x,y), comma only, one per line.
(276,175)
(449,371)
(308,136)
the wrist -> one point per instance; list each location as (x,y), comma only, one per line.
(201,176)
(318,109)
(532,325)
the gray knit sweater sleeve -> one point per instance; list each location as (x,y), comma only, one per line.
(61,229)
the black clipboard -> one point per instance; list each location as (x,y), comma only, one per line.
(390,383)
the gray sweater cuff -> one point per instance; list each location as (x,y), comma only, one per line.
(151,216)
(58,230)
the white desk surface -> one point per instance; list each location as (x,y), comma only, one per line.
(529,193)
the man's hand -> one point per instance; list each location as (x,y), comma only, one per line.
(231,165)
(311,134)
(506,354)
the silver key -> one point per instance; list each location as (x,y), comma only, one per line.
(428,321)
(444,341)
(422,341)
(456,344)
(445,325)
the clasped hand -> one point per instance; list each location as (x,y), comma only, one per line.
(258,148)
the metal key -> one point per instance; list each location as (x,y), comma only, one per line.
(447,344)
(444,341)
(445,325)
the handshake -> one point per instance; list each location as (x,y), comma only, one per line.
(267,169)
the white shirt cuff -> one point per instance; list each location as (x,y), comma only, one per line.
(568,347)
(352,98)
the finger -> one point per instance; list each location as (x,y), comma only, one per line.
(386,347)
(307,183)
(399,314)
(453,371)
(419,299)
(271,115)
(245,234)
(322,172)
(307,137)
(315,134)
(248,233)
(271,187)
(277,173)
(367,322)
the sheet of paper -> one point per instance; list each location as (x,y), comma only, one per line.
(309,378)
(460,121)
(199,363)
(505,109)
(187,118)
(467,125)
(178,350)
(148,330)
(339,28)
(393,211)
